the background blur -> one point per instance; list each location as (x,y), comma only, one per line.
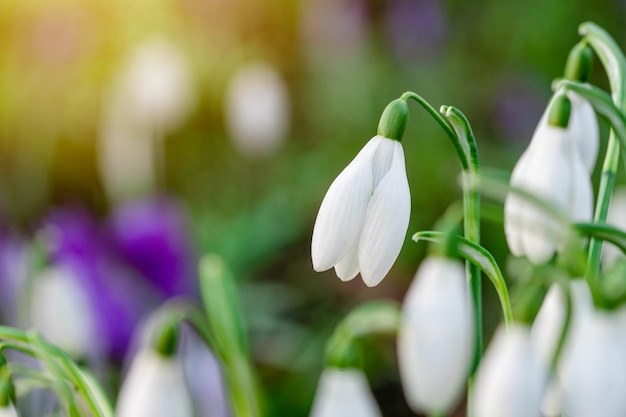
(139,134)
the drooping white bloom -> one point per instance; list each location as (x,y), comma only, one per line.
(344,393)
(617,218)
(584,129)
(593,374)
(8,411)
(435,339)
(550,169)
(61,311)
(546,331)
(511,378)
(364,216)
(257,110)
(154,387)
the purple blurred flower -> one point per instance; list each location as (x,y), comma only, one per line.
(152,236)
(415,28)
(74,241)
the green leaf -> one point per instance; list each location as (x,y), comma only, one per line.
(604,232)
(480,257)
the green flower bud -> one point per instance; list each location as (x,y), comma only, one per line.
(560,111)
(393,121)
(166,338)
(579,63)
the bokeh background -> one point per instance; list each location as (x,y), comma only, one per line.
(137,135)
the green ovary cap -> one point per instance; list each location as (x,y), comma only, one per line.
(166,338)
(559,112)
(393,121)
(579,63)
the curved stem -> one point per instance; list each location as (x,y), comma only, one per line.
(565,328)
(445,125)
(614,64)
(471,212)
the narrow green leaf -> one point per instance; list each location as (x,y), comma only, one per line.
(603,232)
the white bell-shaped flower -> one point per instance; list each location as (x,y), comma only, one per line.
(593,374)
(546,331)
(584,130)
(61,311)
(257,110)
(551,169)
(344,393)
(511,378)
(435,338)
(364,216)
(616,218)
(8,411)
(155,386)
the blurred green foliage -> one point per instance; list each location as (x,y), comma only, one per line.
(493,59)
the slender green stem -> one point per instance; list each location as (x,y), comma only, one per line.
(471,213)
(445,125)
(614,64)
(567,320)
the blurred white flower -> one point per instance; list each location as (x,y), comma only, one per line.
(435,339)
(8,411)
(363,219)
(344,393)
(511,379)
(551,169)
(152,95)
(61,311)
(593,374)
(155,386)
(257,110)
(617,218)
(546,331)
(155,87)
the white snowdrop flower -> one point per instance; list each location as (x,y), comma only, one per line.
(511,378)
(551,169)
(584,130)
(616,218)
(8,411)
(155,87)
(364,216)
(435,338)
(593,374)
(546,331)
(61,311)
(344,393)
(257,110)
(154,387)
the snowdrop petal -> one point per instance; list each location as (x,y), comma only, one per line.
(584,130)
(8,411)
(386,223)
(343,210)
(344,393)
(154,387)
(581,200)
(511,379)
(435,337)
(515,207)
(616,217)
(348,266)
(594,376)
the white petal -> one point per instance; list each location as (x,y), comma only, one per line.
(8,411)
(594,377)
(154,387)
(435,339)
(547,177)
(511,379)
(617,217)
(386,222)
(343,210)
(515,207)
(383,159)
(584,130)
(580,206)
(348,267)
(344,393)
